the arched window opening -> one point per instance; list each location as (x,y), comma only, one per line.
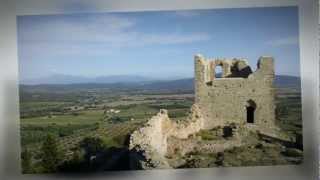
(218,71)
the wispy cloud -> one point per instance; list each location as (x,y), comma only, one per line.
(136,42)
(173,38)
(67,36)
(84,29)
(284,41)
(103,29)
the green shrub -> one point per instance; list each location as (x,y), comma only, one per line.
(92,146)
(122,140)
(51,157)
(26,158)
(206,135)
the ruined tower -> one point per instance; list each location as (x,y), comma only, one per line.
(232,103)
(237,95)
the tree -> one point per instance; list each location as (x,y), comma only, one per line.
(51,156)
(75,164)
(26,161)
(92,146)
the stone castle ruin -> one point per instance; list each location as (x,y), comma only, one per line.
(239,96)
(232,104)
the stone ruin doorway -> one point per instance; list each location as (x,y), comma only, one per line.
(250,109)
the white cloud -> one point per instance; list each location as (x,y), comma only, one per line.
(176,38)
(284,41)
(111,30)
(87,29)
(95,35)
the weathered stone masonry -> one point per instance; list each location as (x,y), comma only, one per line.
(239,96)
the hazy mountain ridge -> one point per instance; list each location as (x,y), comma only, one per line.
(70,79)
(147,84)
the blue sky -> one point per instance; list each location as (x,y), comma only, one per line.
(157,44)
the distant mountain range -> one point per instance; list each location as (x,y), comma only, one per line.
(69,79)
(135,82)
(287,81)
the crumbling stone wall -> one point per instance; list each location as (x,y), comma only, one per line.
(227,99)
(152,138)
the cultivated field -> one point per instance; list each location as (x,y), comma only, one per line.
(71,114)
